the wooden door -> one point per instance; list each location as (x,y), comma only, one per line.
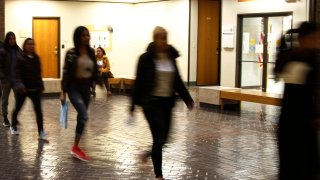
(46,37)
(208,42)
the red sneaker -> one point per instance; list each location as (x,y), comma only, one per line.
(79,154)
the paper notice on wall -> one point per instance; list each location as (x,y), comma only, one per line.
(100,39)
(259,48)
(227,37)
(245,42)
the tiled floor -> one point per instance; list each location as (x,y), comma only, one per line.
(205,143)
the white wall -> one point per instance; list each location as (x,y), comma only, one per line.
(173,16)
(230,10)
(132,24)
(193,40)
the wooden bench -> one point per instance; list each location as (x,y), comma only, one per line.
(122,82)
(128,83)
(117,82)
(219,96)
(250,96)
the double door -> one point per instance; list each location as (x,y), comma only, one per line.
(260,42)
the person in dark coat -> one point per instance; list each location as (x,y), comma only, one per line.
(157,81)
(297,130)
(9,55)
(28,83)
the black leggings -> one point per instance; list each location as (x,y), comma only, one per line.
(35,97)
(158,114)
(104,77)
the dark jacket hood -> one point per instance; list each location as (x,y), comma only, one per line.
(172,51)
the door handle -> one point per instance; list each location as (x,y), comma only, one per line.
(55,50)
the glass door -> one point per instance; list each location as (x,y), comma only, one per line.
(277,27)
(252,52)
(260,42)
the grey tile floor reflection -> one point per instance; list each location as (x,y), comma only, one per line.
(205,143)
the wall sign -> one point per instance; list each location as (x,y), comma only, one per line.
(101,36)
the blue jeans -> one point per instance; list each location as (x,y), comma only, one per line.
(79,97)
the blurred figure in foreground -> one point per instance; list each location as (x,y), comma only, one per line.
(28,83)
(157,81)
(297,130)
(80,72)
(9,55)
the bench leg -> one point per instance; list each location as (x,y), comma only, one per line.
(221,104)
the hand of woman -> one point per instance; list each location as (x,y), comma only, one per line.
(63,97)
(190,105)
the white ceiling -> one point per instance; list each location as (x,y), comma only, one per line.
(112,1)
(124,1)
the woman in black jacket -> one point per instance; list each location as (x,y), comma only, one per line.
(157,81)
(28,83)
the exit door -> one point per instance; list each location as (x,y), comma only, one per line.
(260,37)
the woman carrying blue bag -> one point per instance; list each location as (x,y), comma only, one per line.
(80,73)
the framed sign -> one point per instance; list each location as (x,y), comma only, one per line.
(101,36)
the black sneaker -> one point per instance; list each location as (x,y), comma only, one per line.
(6,123)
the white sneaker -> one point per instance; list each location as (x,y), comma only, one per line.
(14,131)
(43,135)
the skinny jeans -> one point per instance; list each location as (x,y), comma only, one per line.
(79,95)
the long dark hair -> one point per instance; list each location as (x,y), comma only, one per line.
(102,50)
(24,46)
(6,44)
(77,38)
(25,43)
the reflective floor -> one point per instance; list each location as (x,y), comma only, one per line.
(205,143)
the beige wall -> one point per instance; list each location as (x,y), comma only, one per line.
(132,24)
(2,20)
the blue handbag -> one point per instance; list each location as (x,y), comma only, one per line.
(64,115)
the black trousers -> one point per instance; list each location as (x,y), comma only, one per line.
(158,114)
(105,80)
(35,97)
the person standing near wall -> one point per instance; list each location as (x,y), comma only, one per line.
(9,55)
(80,72)
(28,83)
(157,81)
